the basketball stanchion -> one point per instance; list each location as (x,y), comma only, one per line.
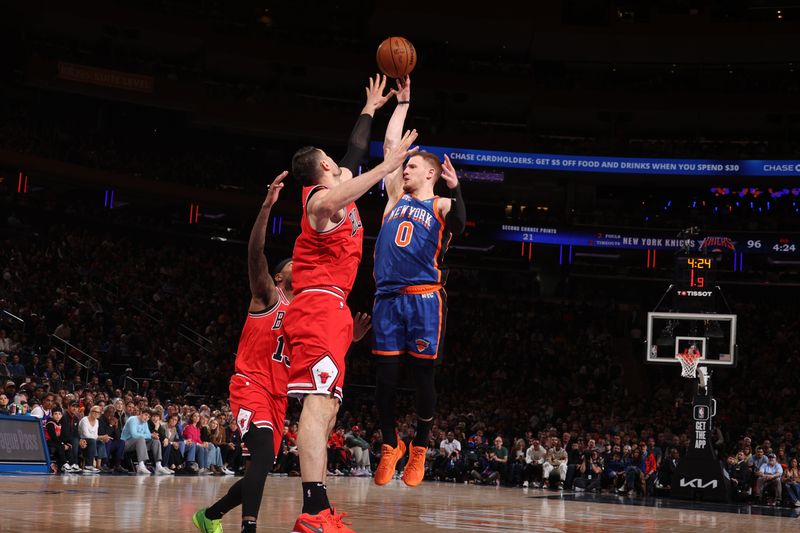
(700,475)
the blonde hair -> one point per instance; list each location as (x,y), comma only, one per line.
(433,162)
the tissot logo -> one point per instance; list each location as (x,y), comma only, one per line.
(698,483)
(695,294)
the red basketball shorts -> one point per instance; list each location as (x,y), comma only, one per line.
(254,406)
(319,329)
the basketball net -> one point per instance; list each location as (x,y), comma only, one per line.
(689,360)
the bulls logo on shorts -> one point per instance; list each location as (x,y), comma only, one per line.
(325,373)
(243,420)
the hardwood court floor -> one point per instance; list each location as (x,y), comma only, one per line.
(165,504)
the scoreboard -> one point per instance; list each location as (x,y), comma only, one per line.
(783,244)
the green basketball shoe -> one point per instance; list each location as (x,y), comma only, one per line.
(204,524)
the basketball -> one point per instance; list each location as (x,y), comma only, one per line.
(396,57)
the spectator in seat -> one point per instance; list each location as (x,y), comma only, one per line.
(634,473)
(63,331)
(70,435)
(88,431)
(535,457)
(290,458)
(359,449)
(173,453)
(52,434)
(655,450)
(770,476)
(3,404)
(337,454)
(34,368)
(196,449)
(232,449)
(450,445)
(4,371)
(119,412)
(756,461)
(668,468)
(137,436)
(650,469)
(556,460)
(5,343)
(453,468)
(615,469)
(110,437)
(43,410)
(157,427)
(500,459)
(589,472)
(214,436)
(16,368)
(484,470)
(739,473)
(791,478)
(517,460)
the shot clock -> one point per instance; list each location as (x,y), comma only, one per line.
(695,272)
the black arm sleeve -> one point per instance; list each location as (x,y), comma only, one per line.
(358,144)
(456,219)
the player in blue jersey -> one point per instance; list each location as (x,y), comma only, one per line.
(410,308)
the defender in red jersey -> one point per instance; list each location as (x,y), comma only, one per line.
(318,325)
(258,388)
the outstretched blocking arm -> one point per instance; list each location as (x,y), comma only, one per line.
(394,131)
(263,293)
(358,144)
(328,202)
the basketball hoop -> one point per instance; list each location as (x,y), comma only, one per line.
(689,362)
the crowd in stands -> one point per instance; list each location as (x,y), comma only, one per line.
(108,337)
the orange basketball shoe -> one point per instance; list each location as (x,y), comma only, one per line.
(389,457)
(326,521)
(415,468)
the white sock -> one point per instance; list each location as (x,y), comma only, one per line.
(158,465)
(141,464)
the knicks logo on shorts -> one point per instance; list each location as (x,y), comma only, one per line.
(324,373)
(422,345)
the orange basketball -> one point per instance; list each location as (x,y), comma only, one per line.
(396,57)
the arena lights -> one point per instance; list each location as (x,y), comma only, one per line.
(277,225)
(108,200)
(755,192)
(194,213)
(22,183)
(651,259)
(561,255)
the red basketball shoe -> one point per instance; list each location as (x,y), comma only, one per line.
(326,521)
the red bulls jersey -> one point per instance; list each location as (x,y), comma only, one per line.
(261,355)
(411,246)
(327,258)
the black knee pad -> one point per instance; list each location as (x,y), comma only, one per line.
(261,446)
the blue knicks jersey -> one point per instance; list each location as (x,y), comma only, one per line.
(411,246)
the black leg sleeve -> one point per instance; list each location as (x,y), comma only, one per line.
(425,401)
(387,374)
(262,456)
(248,491)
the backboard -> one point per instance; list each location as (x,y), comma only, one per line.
(713,335)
